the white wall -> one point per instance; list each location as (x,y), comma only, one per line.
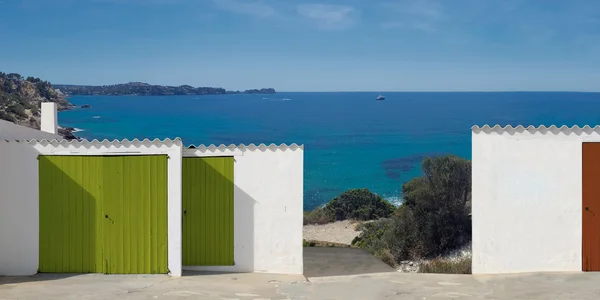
(21,208)
(268,207)
(19,229)
(49,118)
(527,203)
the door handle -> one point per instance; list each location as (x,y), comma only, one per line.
(111,220)
(588,209)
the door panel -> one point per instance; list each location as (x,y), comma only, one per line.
(208,211)
(135,215)
(591,207)
(103,214)
(70,203)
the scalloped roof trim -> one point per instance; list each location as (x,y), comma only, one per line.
(251,147)
(105,142)
(540,129)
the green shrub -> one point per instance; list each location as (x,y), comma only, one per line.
(370,238)
(446,266)
(404,237)
(317,216)
(359,204)
(433,219)
(7,117)
(438,202)
(308,244)
(17,109)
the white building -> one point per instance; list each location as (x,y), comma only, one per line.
(536,199)
(146,206)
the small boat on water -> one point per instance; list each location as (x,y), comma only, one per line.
(380,97)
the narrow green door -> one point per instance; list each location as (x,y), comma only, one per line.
(70,204)
(103,214)
(208,211)
(135,214)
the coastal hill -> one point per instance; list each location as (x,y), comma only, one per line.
(21,98)
(145,89)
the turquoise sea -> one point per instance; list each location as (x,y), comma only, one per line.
(351,140)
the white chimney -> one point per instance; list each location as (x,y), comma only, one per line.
(49,121)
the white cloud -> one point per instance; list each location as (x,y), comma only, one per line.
(253,8)
(330,17)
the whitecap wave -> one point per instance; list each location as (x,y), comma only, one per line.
(78,130)
(96,117)
(394,200)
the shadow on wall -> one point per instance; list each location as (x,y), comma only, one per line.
(69,237)
(243,215)
(244,229)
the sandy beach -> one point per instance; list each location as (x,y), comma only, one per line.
(342,232)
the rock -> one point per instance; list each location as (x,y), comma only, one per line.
(67,133)
(86,106)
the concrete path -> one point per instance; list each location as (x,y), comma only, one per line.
(456,287)
(264,286)
(109,287)
(320,261)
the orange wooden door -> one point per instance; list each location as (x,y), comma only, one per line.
(591,207)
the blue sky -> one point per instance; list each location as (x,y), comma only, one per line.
(293,45)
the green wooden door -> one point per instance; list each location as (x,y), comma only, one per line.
(70,204)
(135,215)
(103,214)
(208,211)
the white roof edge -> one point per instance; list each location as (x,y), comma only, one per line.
(115,142)
(532,129)
(233,147)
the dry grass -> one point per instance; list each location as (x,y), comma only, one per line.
(317,217)
(387,257)
(460,265)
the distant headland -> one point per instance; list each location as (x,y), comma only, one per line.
(145,89)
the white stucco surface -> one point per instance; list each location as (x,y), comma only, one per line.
(527,198)
(21,208)
(268,207)
(11,131)
(49,118)
(19,211)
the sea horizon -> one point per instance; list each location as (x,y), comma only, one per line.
(351,140)
(342,91)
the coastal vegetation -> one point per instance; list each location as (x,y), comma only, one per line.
(433,221)
(145,89)
(21,98)
(442,265)
(356,204)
